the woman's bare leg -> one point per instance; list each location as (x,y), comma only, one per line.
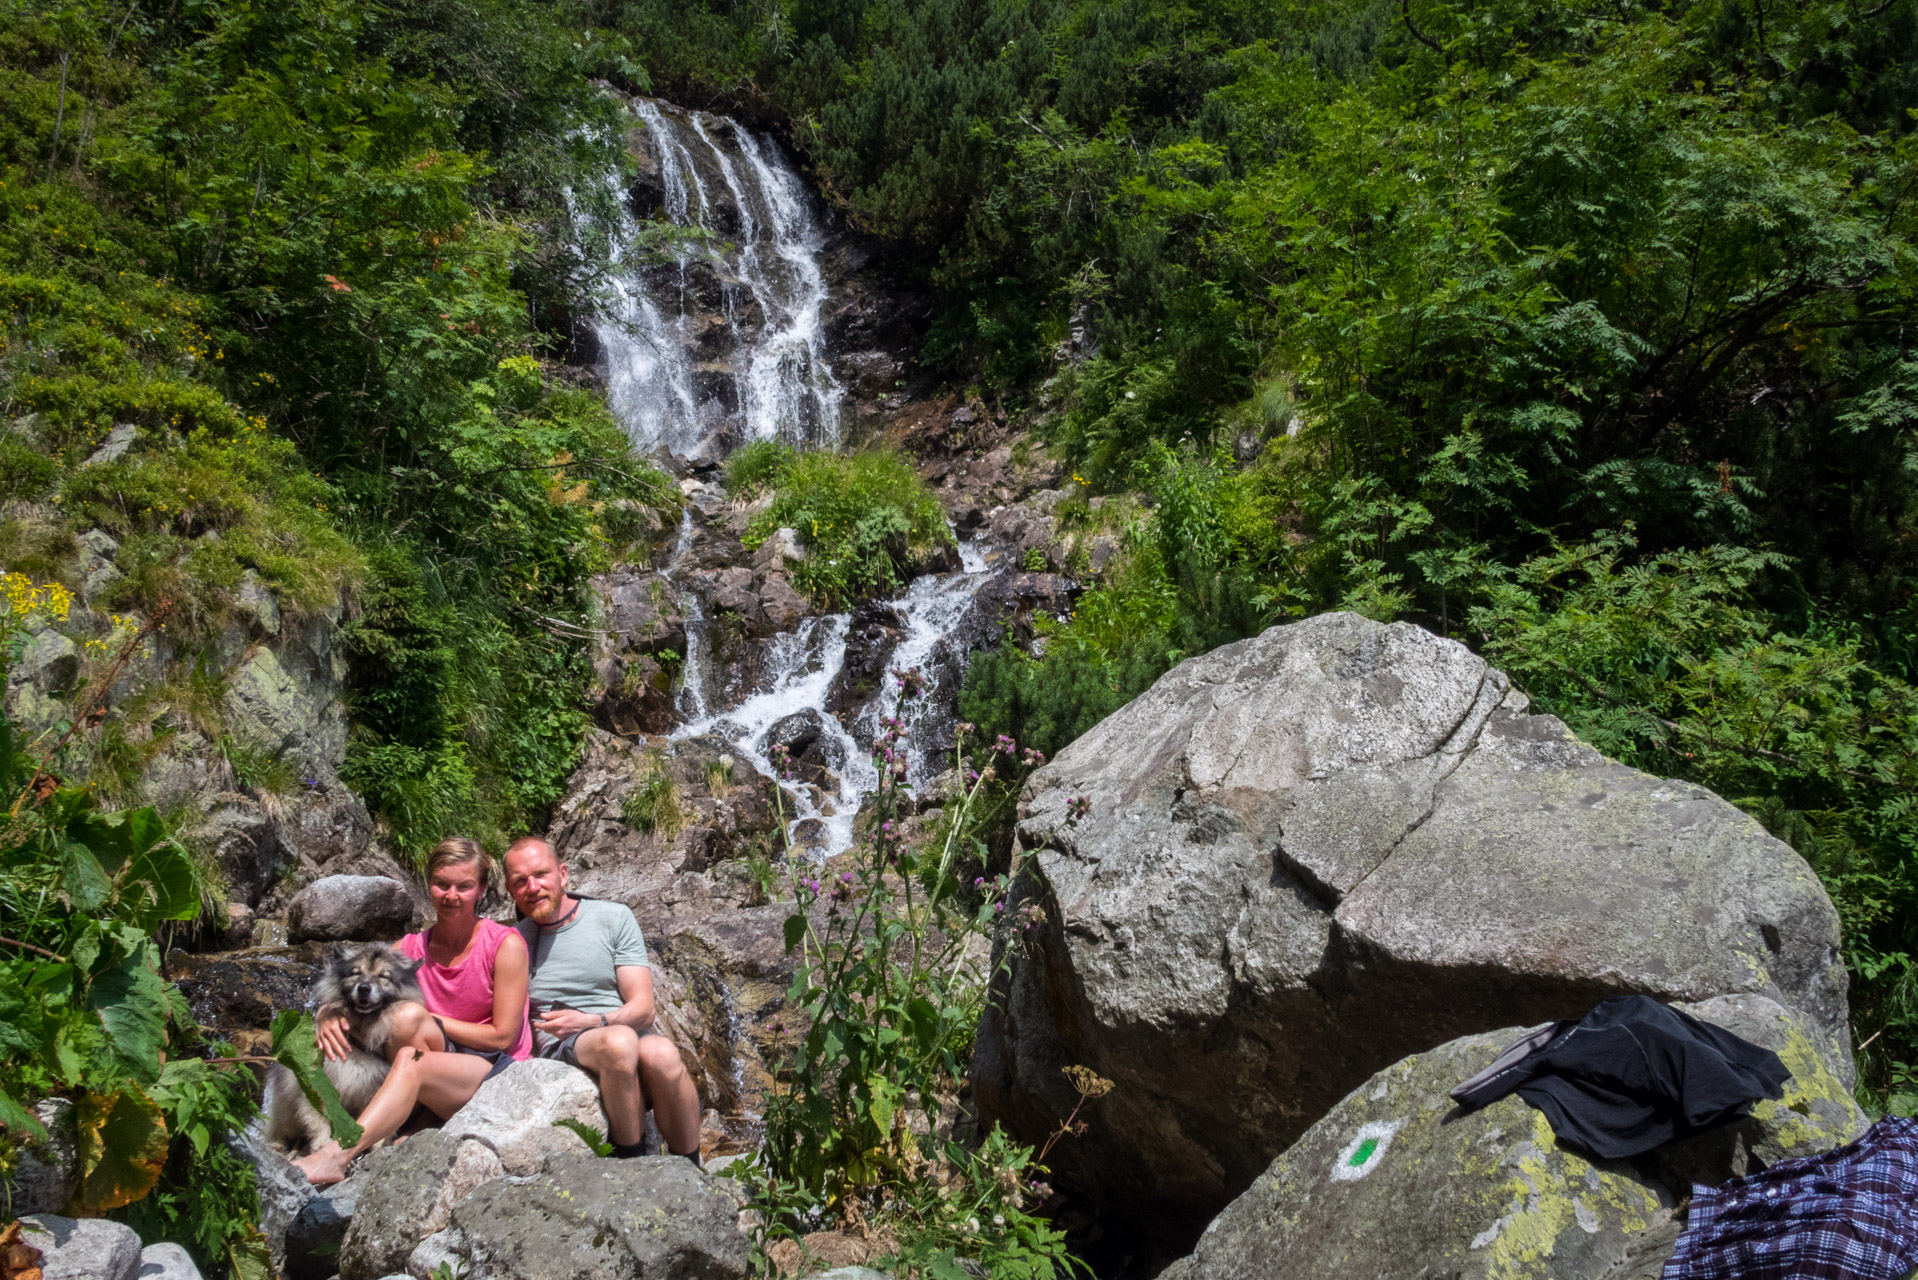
(437,1079)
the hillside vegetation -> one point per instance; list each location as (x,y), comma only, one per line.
(293,246)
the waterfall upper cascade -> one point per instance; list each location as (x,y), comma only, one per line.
(712,335)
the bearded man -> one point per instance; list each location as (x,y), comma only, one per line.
(591,991)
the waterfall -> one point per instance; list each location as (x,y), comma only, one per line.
(712,335)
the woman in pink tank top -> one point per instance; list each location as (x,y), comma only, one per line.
(473,974)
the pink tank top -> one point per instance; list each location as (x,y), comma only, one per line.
(465,991)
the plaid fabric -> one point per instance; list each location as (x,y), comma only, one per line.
(1849,1214)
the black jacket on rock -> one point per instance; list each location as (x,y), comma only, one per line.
(1631,1075)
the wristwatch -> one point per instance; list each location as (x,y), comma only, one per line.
(602,1022)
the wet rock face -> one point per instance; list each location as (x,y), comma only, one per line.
(873,633)
(1396,1181)
(1314,852)
(237,993)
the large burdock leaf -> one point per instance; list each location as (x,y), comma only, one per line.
(123,1143)
(132,1002)
(296,1049)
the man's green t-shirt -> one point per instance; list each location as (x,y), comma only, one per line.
(573,964)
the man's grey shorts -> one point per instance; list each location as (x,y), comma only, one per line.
(566,1048)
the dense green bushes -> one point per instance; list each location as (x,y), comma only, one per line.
(864,519)
(1472,286)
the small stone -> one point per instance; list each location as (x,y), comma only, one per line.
(167,1262)
(115,446)
(350,909)
(256,602)
(82,1248)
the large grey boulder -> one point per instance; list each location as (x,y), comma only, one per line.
(651,1218)
(82,1248)
(284,1190)
(517,1113)
(350,909)
(1314,852)
(407,1193)
(1397,1182)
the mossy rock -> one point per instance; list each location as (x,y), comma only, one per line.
(1396,1182)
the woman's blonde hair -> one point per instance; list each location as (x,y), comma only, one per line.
(458,852)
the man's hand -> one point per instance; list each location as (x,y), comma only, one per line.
(561,1023)
(331,1033)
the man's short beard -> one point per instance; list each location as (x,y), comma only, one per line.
(547,907)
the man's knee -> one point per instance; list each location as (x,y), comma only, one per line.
(659,1060)
(610,1049)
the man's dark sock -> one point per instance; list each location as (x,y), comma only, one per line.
(627,1150)
(692,1155)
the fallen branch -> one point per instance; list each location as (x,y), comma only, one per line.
(28,946)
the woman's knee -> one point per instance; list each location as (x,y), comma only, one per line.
(413,1025)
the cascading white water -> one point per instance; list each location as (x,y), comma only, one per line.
(802,666)
(712,336)
(712,333)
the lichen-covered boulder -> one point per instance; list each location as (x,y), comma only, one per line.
(1397,1182)
(651,1218)
(1314,852)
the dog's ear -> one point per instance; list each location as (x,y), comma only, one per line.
(406,964)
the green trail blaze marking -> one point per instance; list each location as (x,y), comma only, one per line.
(1364,1152)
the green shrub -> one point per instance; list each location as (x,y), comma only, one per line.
(654,805)
(864,519)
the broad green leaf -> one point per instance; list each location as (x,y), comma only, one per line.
(82,878)
(296,1049)
(123,1143)
(248,1256)
(22,1024)
(131,1000)
(158,882)
(17,1120)
(795,930)
(117,838)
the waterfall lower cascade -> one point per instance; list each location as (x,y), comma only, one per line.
(713,336)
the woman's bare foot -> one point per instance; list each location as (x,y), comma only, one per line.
(326,1166)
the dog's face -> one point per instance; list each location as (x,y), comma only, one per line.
(369,978)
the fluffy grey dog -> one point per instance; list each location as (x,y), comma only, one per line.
(363,986)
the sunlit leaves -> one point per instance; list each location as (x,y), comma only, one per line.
(123,1143)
